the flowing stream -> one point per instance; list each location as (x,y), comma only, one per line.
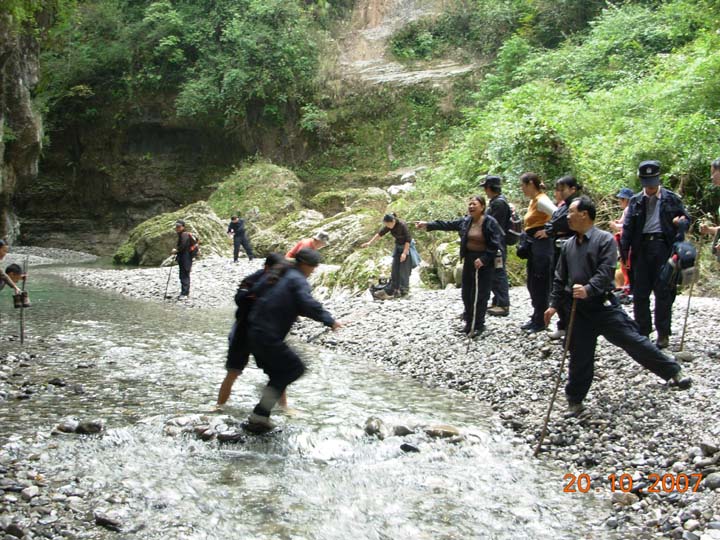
(136,364)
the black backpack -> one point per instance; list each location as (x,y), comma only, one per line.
(194,245)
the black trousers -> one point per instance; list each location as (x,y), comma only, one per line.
(646,266)
(241,240)
(500,284)
(563,308)
(281,364)
(400,273)
(238,347)
(185,264)
(593,319)
(539,277)
(485,281)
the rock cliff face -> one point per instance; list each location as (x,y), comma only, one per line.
(20,126)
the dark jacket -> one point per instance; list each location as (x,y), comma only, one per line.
(671,206)
(490,228)
(244,299)
(499,208)
(238,229)
(183,242)
(279,305)
(558,226)
(400,232)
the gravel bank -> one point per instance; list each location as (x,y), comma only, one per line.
(636,425)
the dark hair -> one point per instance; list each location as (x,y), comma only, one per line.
(585,204)
(569,181)
(716,164)
(389,218)
(13,269)
(480,199)
(233,217)
(273,258)
(3,243)
(534,179)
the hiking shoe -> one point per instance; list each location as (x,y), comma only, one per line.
(662,342)
(182,297)
(574,409)
(557,334)
(529,324)
(535,328)
(256,422)
(498,311)
(381,295)
(680,380)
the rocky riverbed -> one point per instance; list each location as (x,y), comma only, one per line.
(635,425)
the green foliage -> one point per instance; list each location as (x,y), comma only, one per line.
(23,13)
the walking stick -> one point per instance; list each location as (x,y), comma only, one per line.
(474,317)
(22,309)
(167,285)
(571,323)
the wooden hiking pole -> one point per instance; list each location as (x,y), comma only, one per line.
(571,323)
(474,317)
(22,308)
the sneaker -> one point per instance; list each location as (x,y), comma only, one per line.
(680,380)
(575,409)
(182,297)
(381,295)
(499,311)
(662,342)
(529,324)
(557,334)
(255,422)
(535,328)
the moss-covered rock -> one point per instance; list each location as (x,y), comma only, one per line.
(151,242)
(447,263)
(261,192)
(338,201)
(360,270)
(348,230)
(287,232)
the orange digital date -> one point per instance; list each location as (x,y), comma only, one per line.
(666,483)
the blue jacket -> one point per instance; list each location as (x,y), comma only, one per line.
(491,230)
(670,207)
(279,305)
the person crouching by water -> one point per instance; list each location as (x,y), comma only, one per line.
(276,309)
(539,260)
(317,242)
(584,274)
(480,248)
(401,265)
(238,346)
(5,277)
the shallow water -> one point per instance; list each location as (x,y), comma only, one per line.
(140,364)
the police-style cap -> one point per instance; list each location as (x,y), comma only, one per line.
(649,173)
(491,181)
(625,193)
(308,256)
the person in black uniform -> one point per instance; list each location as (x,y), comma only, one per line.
(585,272)
(480,241)
(276,309)
(236,229)
(238,347)
(184,258)
(567,189)
(399,284)
(649,231)
(499,208)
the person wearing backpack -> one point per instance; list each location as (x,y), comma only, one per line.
(238,346)
(186,245)
(280,300)
(500,209)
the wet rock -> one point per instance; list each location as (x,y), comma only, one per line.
(69,425)
(375,428)
(57,382)
(402,431)
(441,431)
(89,427)
(30,492)
(231,436)
(406,447)
(15,530)
(110,523)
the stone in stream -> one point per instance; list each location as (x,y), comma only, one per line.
(402,431)
(441,431)
(89,427)
(405,447)
(69,425)
(231,436)
(376,427)
(103,520)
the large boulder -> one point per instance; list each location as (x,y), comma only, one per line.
(151,242)
(447,263)
(338,201)
(262,193)
(286,232)
(360,270)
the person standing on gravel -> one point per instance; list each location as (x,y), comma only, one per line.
(480,245)
(183,254)
(584,274)
(399,284)
(236,230)
(500,209)
(277,307)
(654,221)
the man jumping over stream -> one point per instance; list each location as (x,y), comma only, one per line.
(280,299)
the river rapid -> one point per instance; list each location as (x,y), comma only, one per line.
(136,365)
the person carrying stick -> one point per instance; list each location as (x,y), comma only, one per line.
(585,273)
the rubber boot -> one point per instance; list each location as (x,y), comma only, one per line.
(25,299)
(17,300)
